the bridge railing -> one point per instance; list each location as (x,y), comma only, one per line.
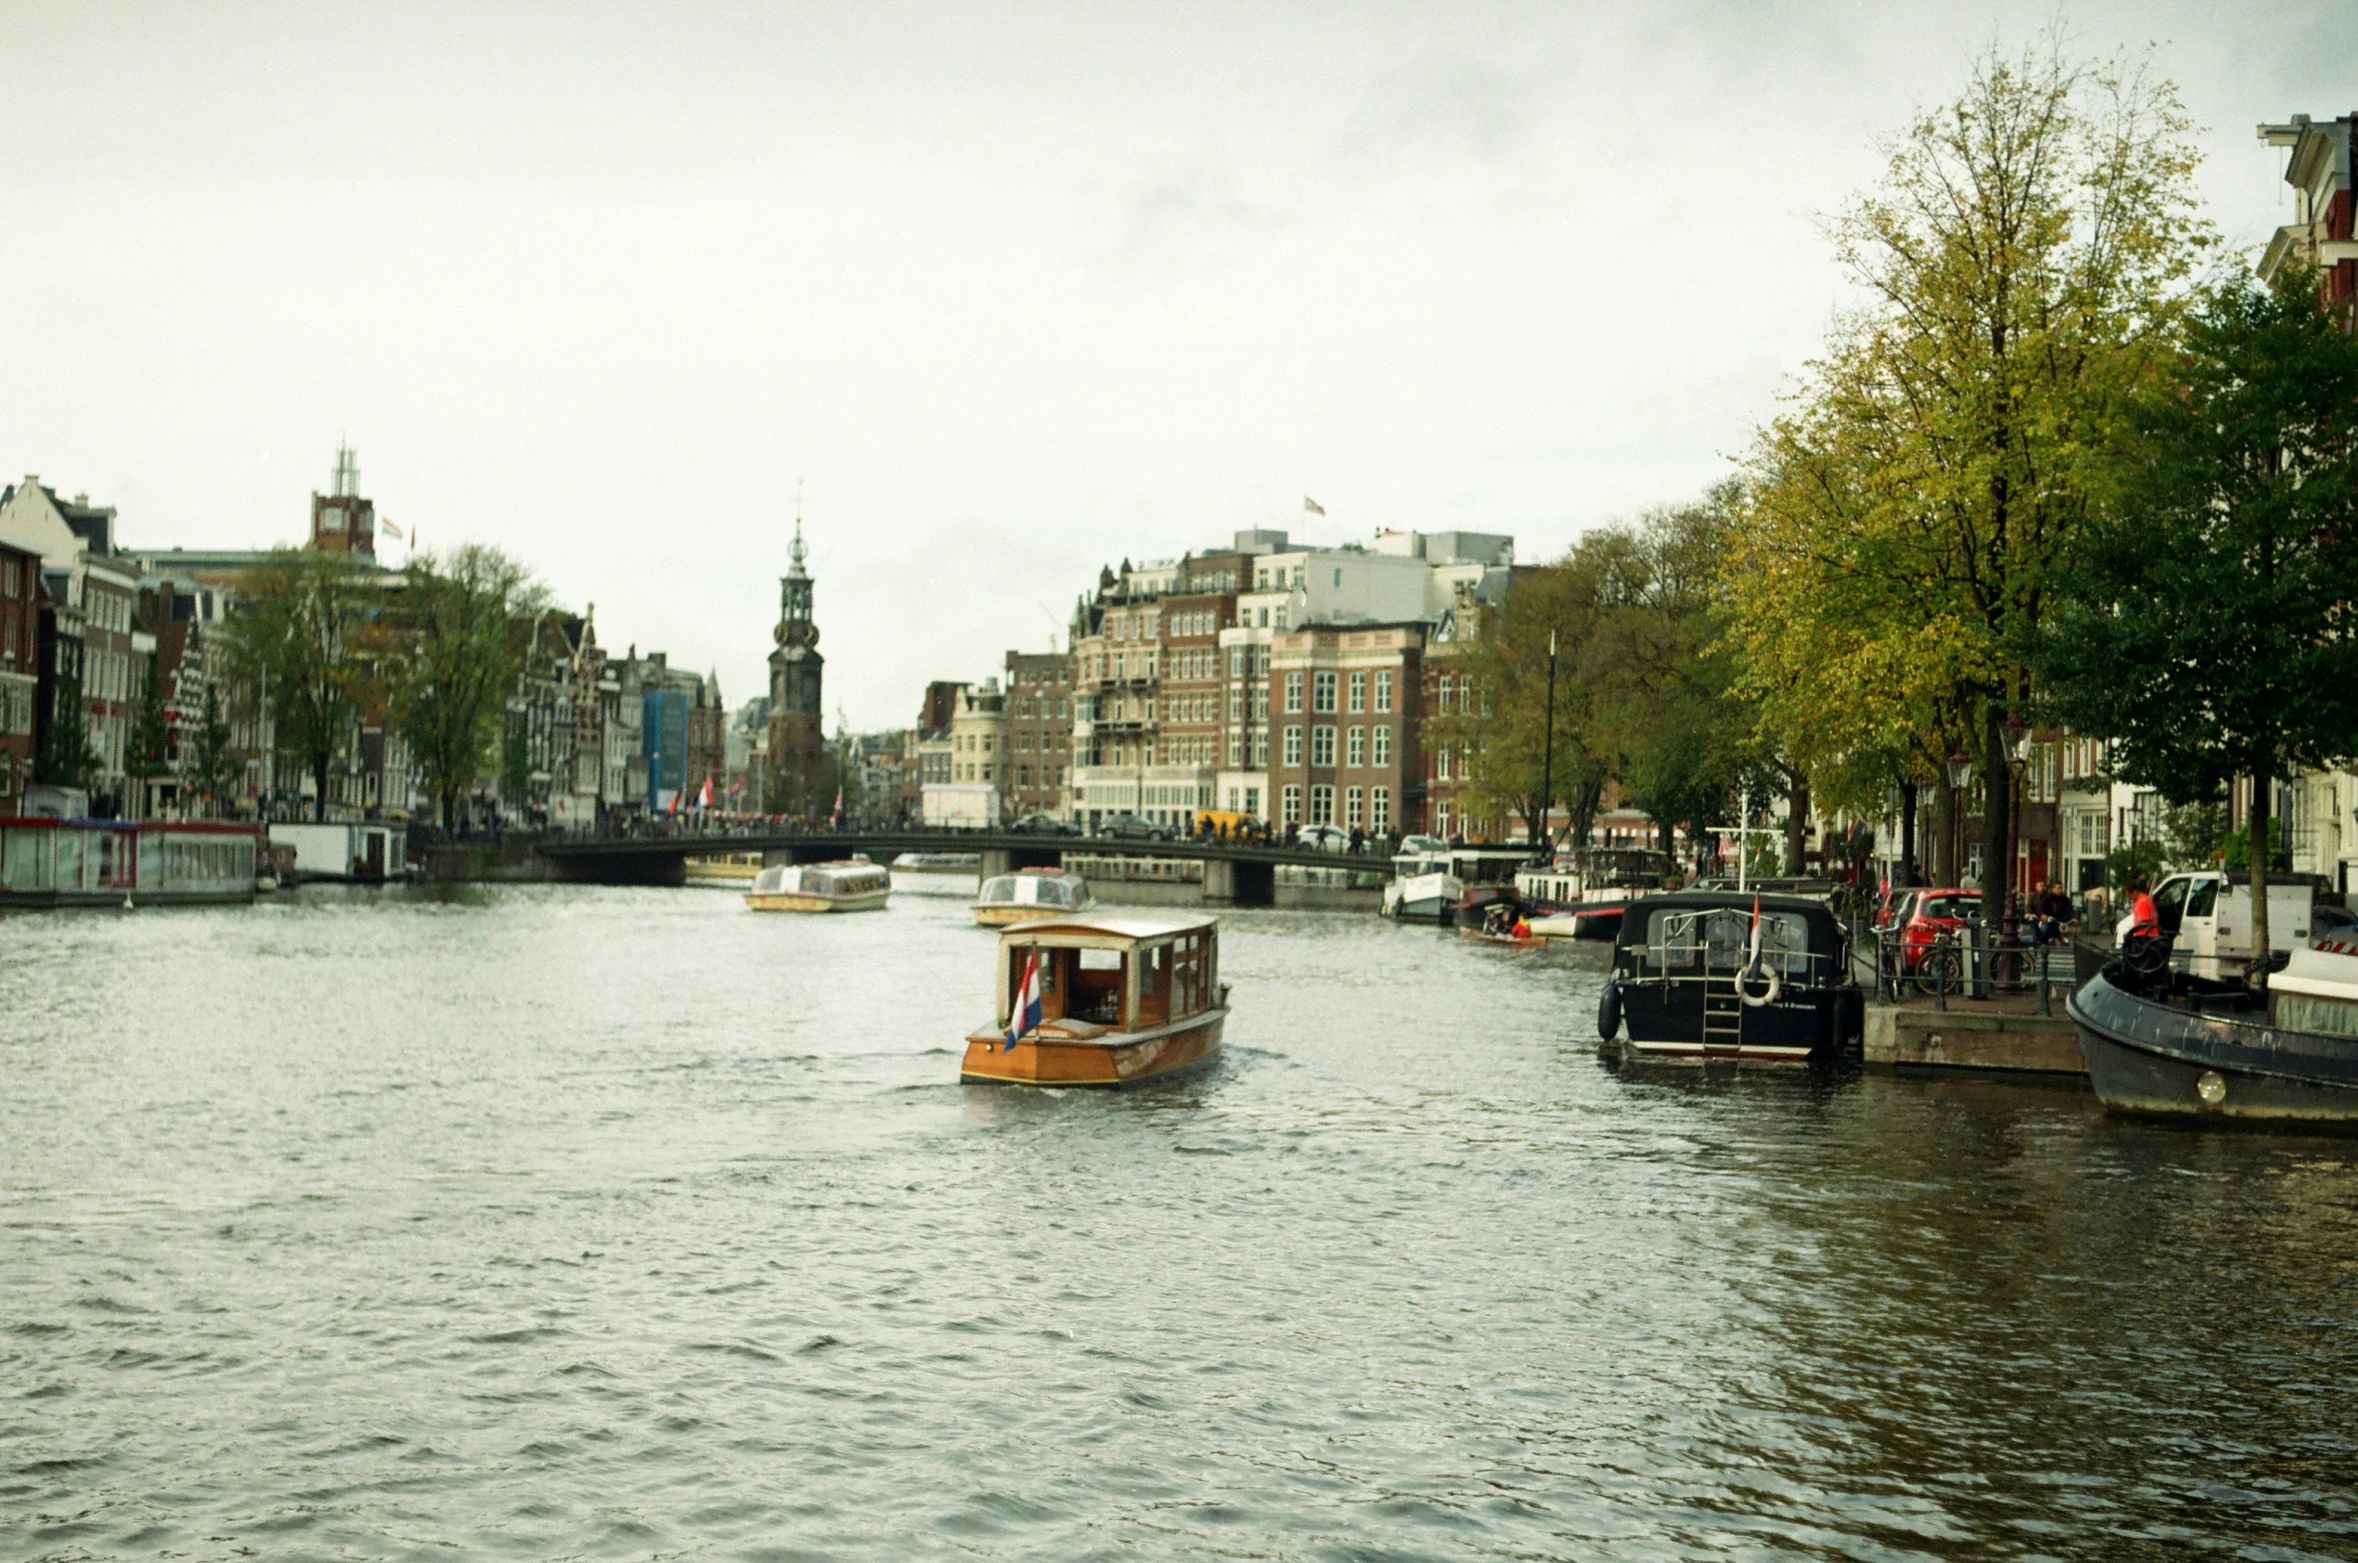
(914,837)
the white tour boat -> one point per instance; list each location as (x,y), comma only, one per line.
(1029,894)
(850,885)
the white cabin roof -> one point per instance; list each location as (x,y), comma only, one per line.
(1114,925)
(2326,971)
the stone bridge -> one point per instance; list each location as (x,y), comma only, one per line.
(1236,873)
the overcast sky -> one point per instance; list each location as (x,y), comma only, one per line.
(1017,290)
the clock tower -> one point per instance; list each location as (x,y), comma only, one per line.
(799,781)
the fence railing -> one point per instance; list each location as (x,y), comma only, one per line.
(1970,964)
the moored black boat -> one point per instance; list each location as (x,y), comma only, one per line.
(1724,974)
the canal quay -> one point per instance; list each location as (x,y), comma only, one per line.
(540,1220)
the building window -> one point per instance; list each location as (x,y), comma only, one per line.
(1441,763)
(1260,747)
(1355,747)
(1293,692)
(1293,806)
(1322,692)
(1322,805)
(1383,747)
(1383,692)
(1351,808)
(1359,691)
(1448,690)
(1293,746)
(1441,817)
(1322,746)
(1379,808)
(1235,746)
(1236,702)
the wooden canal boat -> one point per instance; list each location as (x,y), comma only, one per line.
(1030,894)
(1106,999)
(1722,974)
(850,885)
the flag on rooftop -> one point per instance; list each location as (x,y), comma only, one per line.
(1313,506)
(384,525)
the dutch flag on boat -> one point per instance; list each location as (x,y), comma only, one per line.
(1752,954)
(1027,1002)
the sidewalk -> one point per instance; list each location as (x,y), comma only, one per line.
(1996,1033)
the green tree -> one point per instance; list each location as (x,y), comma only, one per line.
(210,761)
(2027,261)
(2207,628)
(65,758)
(150,753)
(299,639)
(464,629)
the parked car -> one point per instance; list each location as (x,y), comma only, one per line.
(1132,827)
(1041,825)
(1423,844)
(1324,838)
(1933,913)
(1893,913)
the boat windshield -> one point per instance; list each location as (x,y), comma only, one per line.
(771,880)
(1720,939)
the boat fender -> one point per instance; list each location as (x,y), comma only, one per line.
(1768,995)
(1609,1012)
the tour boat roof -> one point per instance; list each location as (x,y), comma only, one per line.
(1114,925)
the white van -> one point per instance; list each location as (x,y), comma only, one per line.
(2211,913)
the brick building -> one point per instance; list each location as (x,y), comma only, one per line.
(1343,707)
(20,677)
(1039,716)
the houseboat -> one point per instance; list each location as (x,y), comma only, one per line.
(89,862)
(1582,894)
(1717,974)
(2177,1046)
(345,851)
(1029,894)
(1103,1000)
(848,885)
(1440,884)
(936,873)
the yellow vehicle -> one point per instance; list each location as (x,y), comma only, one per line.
(1225,822)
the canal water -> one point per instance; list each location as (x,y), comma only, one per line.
(543,1222)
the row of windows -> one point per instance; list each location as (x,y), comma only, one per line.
(1461,690)
(1203,621)
(1048,707)
(1363,808)
(1024,744)
(1323,687)
(1358,747)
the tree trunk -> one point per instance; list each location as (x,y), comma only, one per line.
(1943,856)
(1796,819)
(1907,874)
(2260,844)
(1997,859)
(319,779)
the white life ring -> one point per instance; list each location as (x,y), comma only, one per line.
(1776,986)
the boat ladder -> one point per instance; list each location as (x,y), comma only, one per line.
(1723,1018)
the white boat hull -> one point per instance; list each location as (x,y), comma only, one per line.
(1422,897)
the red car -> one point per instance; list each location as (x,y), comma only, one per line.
(1934,913)
(1893,913)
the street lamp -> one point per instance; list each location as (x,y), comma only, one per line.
(1960,768)
(2015,732)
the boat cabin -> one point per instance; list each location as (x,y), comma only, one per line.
(831,881)
(1719,973)
(1125,972)
(1039,891)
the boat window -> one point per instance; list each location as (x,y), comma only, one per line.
(2202,898)
(998,890)
(2308,1012)
(1097,987)
(1154,985)
(1054,892)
